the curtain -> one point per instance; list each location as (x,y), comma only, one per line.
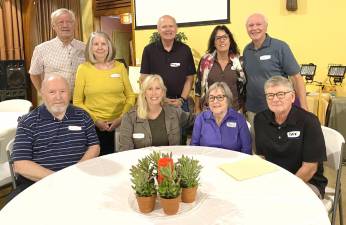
(11,33)
(43,10)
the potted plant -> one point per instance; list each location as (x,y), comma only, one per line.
(188,170)
(169,188)
(180,36)
(144,185)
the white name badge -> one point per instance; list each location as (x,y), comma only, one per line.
(293,134)
(265,57)
(175,64)
(138,135)
(231,124)
(115,75)
(74,128)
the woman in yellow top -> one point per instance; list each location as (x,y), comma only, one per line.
(103,89)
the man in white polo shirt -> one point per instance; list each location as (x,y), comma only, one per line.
(62,54)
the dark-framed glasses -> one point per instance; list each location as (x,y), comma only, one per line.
(219,98)
(223,37)
(279,95)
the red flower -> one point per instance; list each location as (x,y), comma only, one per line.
(163,162)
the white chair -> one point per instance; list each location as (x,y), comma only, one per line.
(9,149)
(5,174)
(15,105)
(116,139)
(335,143)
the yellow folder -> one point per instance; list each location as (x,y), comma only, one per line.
(249,167)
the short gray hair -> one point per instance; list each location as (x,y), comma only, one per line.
(260,15)
(166,16)
(89,56)
(53,76)
(278,81)
(54,16)
(224,87)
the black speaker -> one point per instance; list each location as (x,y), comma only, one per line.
(12,75)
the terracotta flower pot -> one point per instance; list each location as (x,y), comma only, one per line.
(170,206)
(188,195)
(146,204)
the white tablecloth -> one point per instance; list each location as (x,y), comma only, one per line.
(8,126)
(98,192)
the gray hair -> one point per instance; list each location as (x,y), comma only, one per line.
(224,87)
(278,81)
(260,15)
(55,15)
(53,76)
(166,16)
(89,56)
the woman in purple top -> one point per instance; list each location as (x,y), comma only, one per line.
(221,126)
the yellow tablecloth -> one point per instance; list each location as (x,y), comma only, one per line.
(318,104)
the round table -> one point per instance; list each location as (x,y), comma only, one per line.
(99,191)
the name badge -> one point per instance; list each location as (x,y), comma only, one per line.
(175,64)
(115,75)
(293,134)
(231,124)
(138,135)
(265,57)
(74,128)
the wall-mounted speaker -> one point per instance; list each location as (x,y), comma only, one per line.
(12,75)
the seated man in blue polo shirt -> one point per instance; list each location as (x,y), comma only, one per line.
(289,136)
(53,136)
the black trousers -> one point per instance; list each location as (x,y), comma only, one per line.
(107,144)
(22,184)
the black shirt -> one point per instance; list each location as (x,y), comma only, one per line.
(172,66)
(299,139)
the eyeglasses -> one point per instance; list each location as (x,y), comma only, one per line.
(219,98)
(279,95)
(223,37)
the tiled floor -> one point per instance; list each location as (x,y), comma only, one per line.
(328,173)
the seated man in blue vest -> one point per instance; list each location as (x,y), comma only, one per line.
(53,136)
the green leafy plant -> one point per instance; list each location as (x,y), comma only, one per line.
(142,178)
(180,36)
(170,186)
(154,158)
(188,170)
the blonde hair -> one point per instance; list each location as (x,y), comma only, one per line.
(54,16)
(142,104)
(89,56)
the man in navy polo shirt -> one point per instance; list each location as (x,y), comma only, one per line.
(172,60)
(290,136)
(53,136)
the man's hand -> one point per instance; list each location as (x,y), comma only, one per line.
(175,102)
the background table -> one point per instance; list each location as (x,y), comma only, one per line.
(8,126)
(336,116)
(98,192)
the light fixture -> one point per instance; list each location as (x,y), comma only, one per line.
(125,18)
(308,71)
(337,73)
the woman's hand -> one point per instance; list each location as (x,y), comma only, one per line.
(102,125)
(114,124)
